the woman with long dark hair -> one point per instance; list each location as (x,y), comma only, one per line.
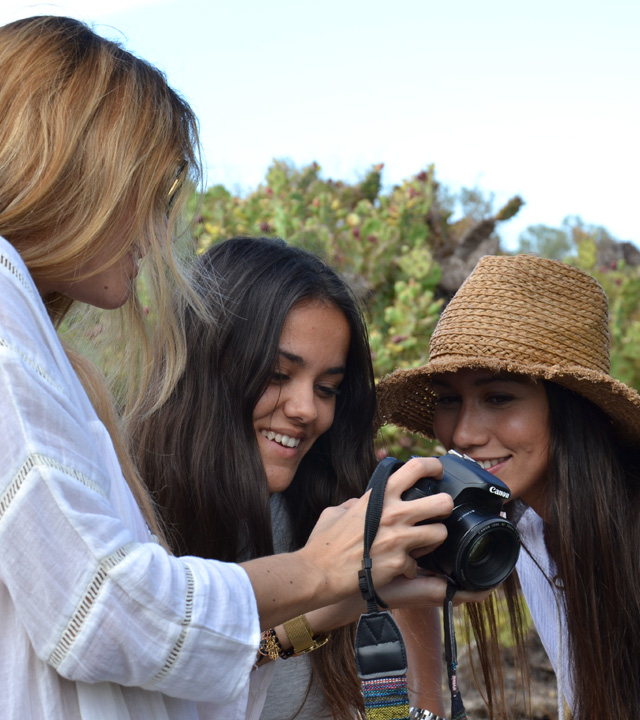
(207,430)
(518,379)
(270,423)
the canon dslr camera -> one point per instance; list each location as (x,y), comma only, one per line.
(482,547)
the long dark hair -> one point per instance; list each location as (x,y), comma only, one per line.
(199,452)
(592,532)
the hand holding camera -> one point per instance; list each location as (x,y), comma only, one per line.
(482,547)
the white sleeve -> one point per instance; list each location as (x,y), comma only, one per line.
(97,602)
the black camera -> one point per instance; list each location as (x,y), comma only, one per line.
(482,547)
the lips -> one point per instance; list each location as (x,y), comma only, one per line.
(282,439)
(488,464)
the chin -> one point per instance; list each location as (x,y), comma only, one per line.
(278,485)
(104,301)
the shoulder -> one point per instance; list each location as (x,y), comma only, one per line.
(29,342)
(14,274)
(41,398)
(24,321)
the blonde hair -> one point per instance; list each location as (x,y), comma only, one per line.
(95,386)
(91,142)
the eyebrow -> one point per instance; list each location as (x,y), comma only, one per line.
(499,377)
(338,370)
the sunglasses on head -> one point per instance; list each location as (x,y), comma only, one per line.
(181,174)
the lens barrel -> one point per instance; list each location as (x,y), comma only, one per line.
(480,551)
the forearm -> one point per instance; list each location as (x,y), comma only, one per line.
(288,585)
(421,631)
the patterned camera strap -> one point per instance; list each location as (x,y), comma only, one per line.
(381,657)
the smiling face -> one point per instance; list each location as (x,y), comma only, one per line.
(299,404)
(502,421)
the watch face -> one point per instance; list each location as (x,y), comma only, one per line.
(420,714)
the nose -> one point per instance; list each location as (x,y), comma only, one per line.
(300,402)
(471,429)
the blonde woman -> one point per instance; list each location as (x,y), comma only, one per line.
(99,621)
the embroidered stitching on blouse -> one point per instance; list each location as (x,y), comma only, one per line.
(4,260)
(87,602)
(36,460)
(175,650)
(38,369)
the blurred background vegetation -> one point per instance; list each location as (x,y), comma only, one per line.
(405,250)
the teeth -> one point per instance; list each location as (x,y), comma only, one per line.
(486,464)
(284,440)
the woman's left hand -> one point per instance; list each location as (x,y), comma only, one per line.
(424,591)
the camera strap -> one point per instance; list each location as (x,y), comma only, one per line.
(381,656)
(451,654)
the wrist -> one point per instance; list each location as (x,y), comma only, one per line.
(291,639)
(284,585)
(302,637)
(325,586)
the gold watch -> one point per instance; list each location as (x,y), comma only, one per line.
(302,638)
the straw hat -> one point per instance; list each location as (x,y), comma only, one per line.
(523,314)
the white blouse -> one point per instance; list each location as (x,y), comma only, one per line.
(96,620)
(536,572)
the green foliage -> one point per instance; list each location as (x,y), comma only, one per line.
(621,282)
(475,204)
(592,249)
(545,241)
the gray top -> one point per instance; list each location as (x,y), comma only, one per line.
(288,690)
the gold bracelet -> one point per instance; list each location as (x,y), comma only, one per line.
(269,645)
(302,638)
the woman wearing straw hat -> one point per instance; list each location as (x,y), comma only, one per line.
(518,379)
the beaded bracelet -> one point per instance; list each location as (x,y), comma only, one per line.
(270,645)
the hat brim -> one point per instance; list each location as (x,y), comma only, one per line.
(406,397)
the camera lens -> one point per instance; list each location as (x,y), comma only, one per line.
(481,551)
(487,553)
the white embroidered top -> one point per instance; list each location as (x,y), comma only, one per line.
(96,620)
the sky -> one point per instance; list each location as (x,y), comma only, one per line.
(540,100)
